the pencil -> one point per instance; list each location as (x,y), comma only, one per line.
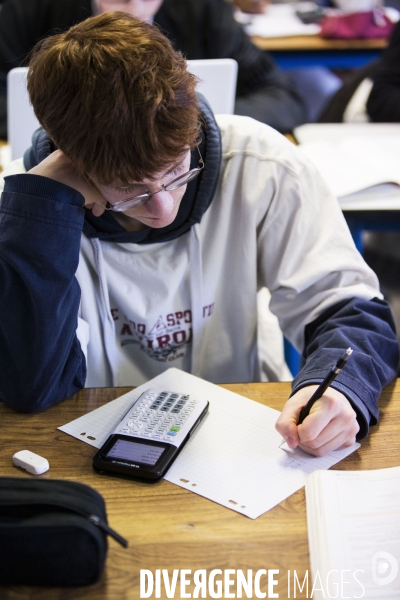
(333,373)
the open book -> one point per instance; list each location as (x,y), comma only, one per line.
(360,162)
(353,520)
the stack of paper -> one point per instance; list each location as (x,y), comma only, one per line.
(361,163)
(278,21)
(353,520)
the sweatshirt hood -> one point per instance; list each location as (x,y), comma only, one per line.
(195,202)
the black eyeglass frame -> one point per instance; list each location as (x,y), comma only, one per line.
(169,187)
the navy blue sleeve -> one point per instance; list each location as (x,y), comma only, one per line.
(41,223)
(367,327)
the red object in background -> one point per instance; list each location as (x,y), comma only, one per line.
(358,25)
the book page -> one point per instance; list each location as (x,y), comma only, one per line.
(355,164)
(354,526)
(234,457)
(385,196)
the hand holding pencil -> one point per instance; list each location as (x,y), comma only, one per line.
(319,419)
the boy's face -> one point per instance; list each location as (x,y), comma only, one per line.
(141,9)
(160,209)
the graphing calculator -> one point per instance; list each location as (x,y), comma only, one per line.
(152,433)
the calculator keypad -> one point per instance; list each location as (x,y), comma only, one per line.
(158,415)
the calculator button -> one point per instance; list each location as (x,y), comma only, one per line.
(171,433)
(175,428)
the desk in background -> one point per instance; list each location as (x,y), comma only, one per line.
(312,50)
(374,209)
(295,44)
(167,526)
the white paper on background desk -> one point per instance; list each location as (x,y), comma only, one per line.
(279,20)
(359,161)
(356,163)
(234,457)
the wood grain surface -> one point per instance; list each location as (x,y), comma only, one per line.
(316,43)
(167,526)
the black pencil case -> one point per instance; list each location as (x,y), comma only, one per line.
(52,532)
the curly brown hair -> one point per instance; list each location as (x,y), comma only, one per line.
(115,97)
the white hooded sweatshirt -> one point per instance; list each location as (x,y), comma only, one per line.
(191,302)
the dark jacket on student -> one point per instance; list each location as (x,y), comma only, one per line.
(199,28)
(384,100)
(383,103)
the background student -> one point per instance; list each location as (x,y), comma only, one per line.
(378,89)
(200,29)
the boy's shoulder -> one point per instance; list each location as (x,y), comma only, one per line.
(247,137)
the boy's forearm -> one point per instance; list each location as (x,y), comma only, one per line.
(42,362)
(367,326)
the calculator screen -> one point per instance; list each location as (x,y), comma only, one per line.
(136,452)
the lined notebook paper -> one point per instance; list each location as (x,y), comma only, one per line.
(233,458)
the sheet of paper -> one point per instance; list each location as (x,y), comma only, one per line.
(277,21)
(233,458)
(336,132)
(355,164)
(385,196)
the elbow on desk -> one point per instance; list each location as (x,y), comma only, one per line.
(34,403)
(24,395)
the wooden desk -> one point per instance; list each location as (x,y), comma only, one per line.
(167,526)
(311,50)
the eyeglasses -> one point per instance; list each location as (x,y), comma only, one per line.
(135,201)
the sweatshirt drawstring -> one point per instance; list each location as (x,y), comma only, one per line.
(104,307)
(196,295)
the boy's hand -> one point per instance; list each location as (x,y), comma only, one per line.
(331,424)
(58,167)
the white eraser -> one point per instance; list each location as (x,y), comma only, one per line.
(33,463)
